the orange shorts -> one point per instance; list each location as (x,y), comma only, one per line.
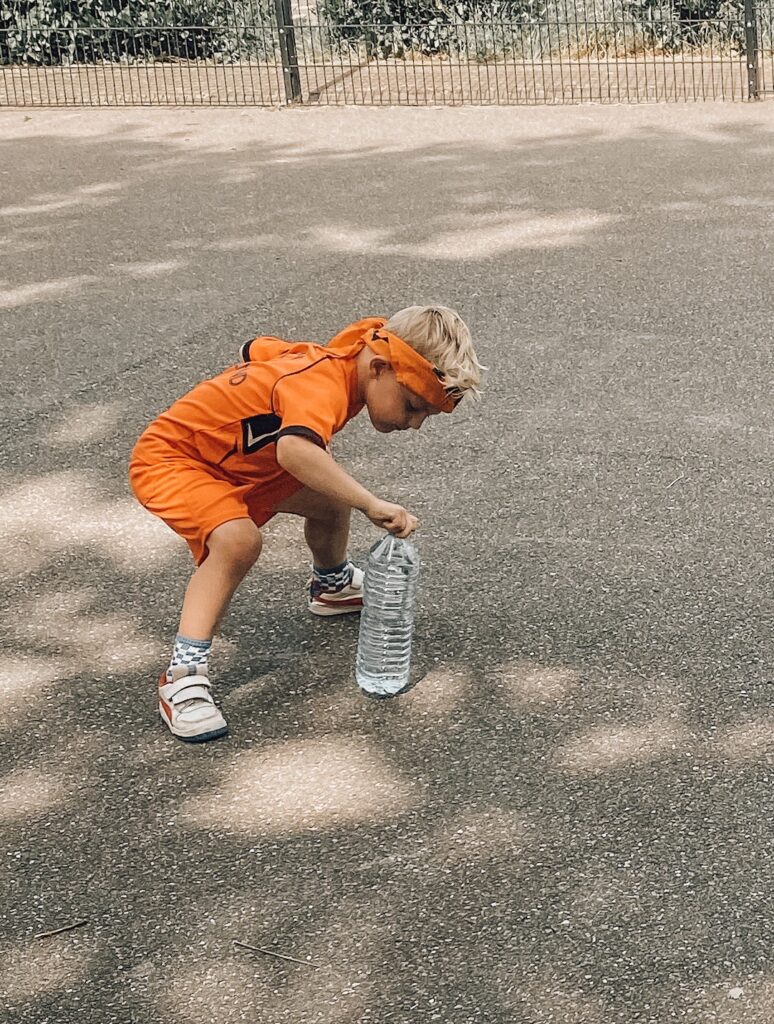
(193,502)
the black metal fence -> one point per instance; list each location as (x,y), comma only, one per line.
(413,52)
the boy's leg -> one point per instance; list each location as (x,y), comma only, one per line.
(327,524)
(336,586)
(233,549)
(185,701)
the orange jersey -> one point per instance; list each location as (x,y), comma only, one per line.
(231,423)
(212,456)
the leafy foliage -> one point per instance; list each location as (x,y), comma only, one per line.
(673,25)
(50,32)
(533,28)
(393,28)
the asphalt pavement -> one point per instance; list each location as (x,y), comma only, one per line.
(569,818)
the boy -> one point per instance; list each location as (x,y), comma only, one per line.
(253,441)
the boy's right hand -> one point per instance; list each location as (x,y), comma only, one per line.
(393,518)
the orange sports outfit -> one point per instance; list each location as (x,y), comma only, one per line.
(211,457)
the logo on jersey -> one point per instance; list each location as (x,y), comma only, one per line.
(259,431)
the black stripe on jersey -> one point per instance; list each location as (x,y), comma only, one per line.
(228,455)
(259,431)
(244,351)
(307,432)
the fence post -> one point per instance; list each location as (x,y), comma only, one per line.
(287,41)
(751,49)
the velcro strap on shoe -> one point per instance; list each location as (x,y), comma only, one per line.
(188,688)
(176,672)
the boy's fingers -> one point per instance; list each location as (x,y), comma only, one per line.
(400,523)
(406,527)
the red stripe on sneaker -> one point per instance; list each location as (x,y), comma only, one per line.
(338,604)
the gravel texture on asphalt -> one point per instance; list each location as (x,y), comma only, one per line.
(569,818)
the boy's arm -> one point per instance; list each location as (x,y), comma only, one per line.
(316,469)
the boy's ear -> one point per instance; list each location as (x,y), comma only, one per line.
(378,366)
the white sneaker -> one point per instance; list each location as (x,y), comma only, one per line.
(337,602)
(186,705)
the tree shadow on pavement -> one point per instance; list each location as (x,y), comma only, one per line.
(568,818)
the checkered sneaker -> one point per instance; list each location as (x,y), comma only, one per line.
(344,601)
(186,705)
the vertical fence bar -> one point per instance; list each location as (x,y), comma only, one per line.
(287,41)
(751,49)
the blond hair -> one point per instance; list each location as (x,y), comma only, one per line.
(442,337)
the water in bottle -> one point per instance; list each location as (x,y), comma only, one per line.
(387,619)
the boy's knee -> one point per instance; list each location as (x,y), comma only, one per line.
(237,542)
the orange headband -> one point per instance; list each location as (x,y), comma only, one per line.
(413,370)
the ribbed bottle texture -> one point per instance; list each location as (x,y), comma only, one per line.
(387,620)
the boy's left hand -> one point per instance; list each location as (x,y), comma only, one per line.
(393,518)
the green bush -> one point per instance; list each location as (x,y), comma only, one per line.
(533,29)
(50,32)
(394,28)
(680,24)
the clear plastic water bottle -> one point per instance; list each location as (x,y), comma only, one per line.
(387,620)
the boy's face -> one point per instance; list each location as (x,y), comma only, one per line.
(391,405)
